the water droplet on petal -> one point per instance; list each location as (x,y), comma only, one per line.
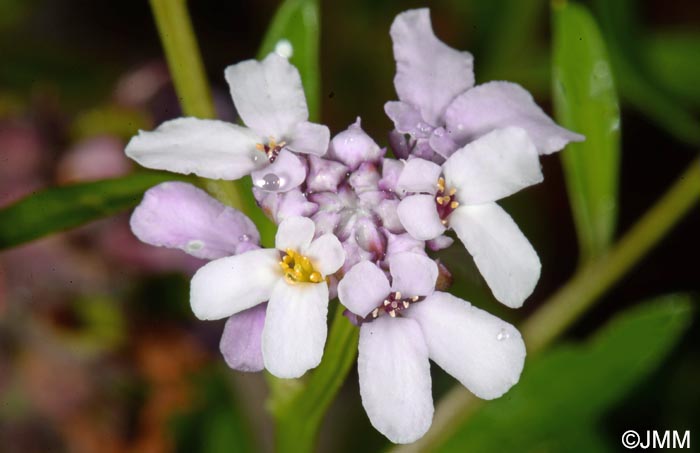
(502,335)
(244,238)
(269,182)
(439,132)
(195,245)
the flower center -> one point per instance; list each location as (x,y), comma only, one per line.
(445,200)
(393,305)
(272,149)
(297,268)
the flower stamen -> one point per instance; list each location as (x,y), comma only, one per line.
(297,268)
(392,305)
(272,149)
(445,200)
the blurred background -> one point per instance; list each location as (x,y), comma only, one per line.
(98,348)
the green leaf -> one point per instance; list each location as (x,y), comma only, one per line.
(637,83)
(585,101)
(297,22)
(61,208)
(672,58)
(562,394)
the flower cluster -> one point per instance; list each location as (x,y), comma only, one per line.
(358,224)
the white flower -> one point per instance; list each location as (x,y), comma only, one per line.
(270,100)
(292,277)
(405,323)
(461,195)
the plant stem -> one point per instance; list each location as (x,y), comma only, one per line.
(564,307)
(187,70)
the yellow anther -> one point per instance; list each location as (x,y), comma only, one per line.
(454,205)
(440,200)
(398,295)
(260,147)
(452,191)
(298,268)
(441,184)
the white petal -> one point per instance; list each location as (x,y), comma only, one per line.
(363,288)
(268,95)
(418,214)
(494,166)
(326,254)
(395,380)
(419,175)
(502,253)
(228,285)
(295,233)
(413,274)
(309,138)
(295,328)
(207,148)
(484,353)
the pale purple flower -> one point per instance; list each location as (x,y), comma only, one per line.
(180,216)
(292,279)
(270,100)
(461,195)
(404,324)
(440,109)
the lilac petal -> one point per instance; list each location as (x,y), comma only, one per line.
(326,221)
(483,352)
(441,142)
(400,144)
(389,216)
(363,288)
(179,215)
(355,254)
(407,119)
(268,95)
(394,374)
(439,243)
(391,170)
(419,176)
(493,166)
(368,236)
(413,274)
(365,178)
(324,175)
(353,146)
(309,138)
(242,338)
(419,216)
(282,205)
(397,243)
(287,172)
(208,148)
(496,105)
(327,201)
(429,74)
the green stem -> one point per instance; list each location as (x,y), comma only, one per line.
(299,417)
(187,70)
(563,308)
